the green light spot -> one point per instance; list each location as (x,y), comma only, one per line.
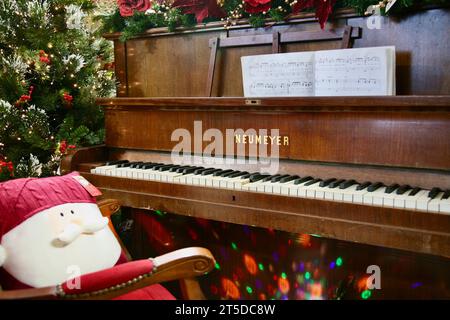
(316,235)
(366,294)
(307,275)
(260,266)
(217,266)
(234,246)
(159,213)
(339,261)
(283,275)
(249,289)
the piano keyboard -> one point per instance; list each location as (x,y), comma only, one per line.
(366,193)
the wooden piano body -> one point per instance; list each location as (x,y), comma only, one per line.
(403,139)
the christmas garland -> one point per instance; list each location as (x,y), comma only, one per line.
(131,17)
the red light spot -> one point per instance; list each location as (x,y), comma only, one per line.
(250,264)
(230,289)
(283,285)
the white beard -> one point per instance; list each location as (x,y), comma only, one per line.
(36,258)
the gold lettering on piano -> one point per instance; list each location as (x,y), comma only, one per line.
(261,139)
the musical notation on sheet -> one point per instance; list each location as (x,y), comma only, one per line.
(352,72)
(290,74)
(355,72)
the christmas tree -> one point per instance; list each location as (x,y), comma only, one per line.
(53,64)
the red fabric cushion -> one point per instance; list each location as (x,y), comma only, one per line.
(153,292)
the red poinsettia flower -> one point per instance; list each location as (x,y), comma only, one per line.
(201,8)
(257,6)
(323,8)
(128,7)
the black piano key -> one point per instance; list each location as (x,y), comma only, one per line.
(142,165)
(325,183)
(174,169)
(124,165)
(391,188)
(219,173)
(446,195)
(347,184)
(227,174)
(200,170)
(249,175)
(270,177)
(158,166)
(278,177)
(414,191)
(115,162)
(258,177)
(304,179)
(237,174)
(312,181)
(403,189)
(168,167)
(209,171)
(190,170)
(336,183)
(434,192)
(374,186)
(135,164)
(181,169)
(288,178)
(150,165)
(363,185)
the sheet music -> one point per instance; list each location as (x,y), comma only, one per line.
(278,75)
(345,72)
(355,72)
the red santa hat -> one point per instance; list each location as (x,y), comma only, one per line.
(20,199)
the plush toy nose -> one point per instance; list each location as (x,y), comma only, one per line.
(70,233)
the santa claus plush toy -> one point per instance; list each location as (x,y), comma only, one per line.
(52,230)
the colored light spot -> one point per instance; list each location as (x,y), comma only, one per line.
(159,213)
(339,261)
(283,285)
(217,266)
(283,275)
(416,285)
(234,246)
(262,296)
(230,289)
(366,294)
(316,291)
(307,275)
(316,235)
(362,284)
(302,266)
(332,265)
(261,266)
(300,279)
(250,264)
(249,289)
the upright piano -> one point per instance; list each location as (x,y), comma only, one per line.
(367,170)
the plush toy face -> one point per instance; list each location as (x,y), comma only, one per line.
(58,244)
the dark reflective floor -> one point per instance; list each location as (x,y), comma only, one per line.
(257,263)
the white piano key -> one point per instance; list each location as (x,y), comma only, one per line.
(286,187)
(444,206)
(411,201)
(422,202)
(433,205)
(400,200)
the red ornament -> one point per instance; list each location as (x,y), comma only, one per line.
(67,97)
(127,7)
(257,6)
(8,166)
(25,97)
(43,57)
(323,8)
(200,8)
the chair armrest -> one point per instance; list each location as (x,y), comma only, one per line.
(179,264)
(108,206)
